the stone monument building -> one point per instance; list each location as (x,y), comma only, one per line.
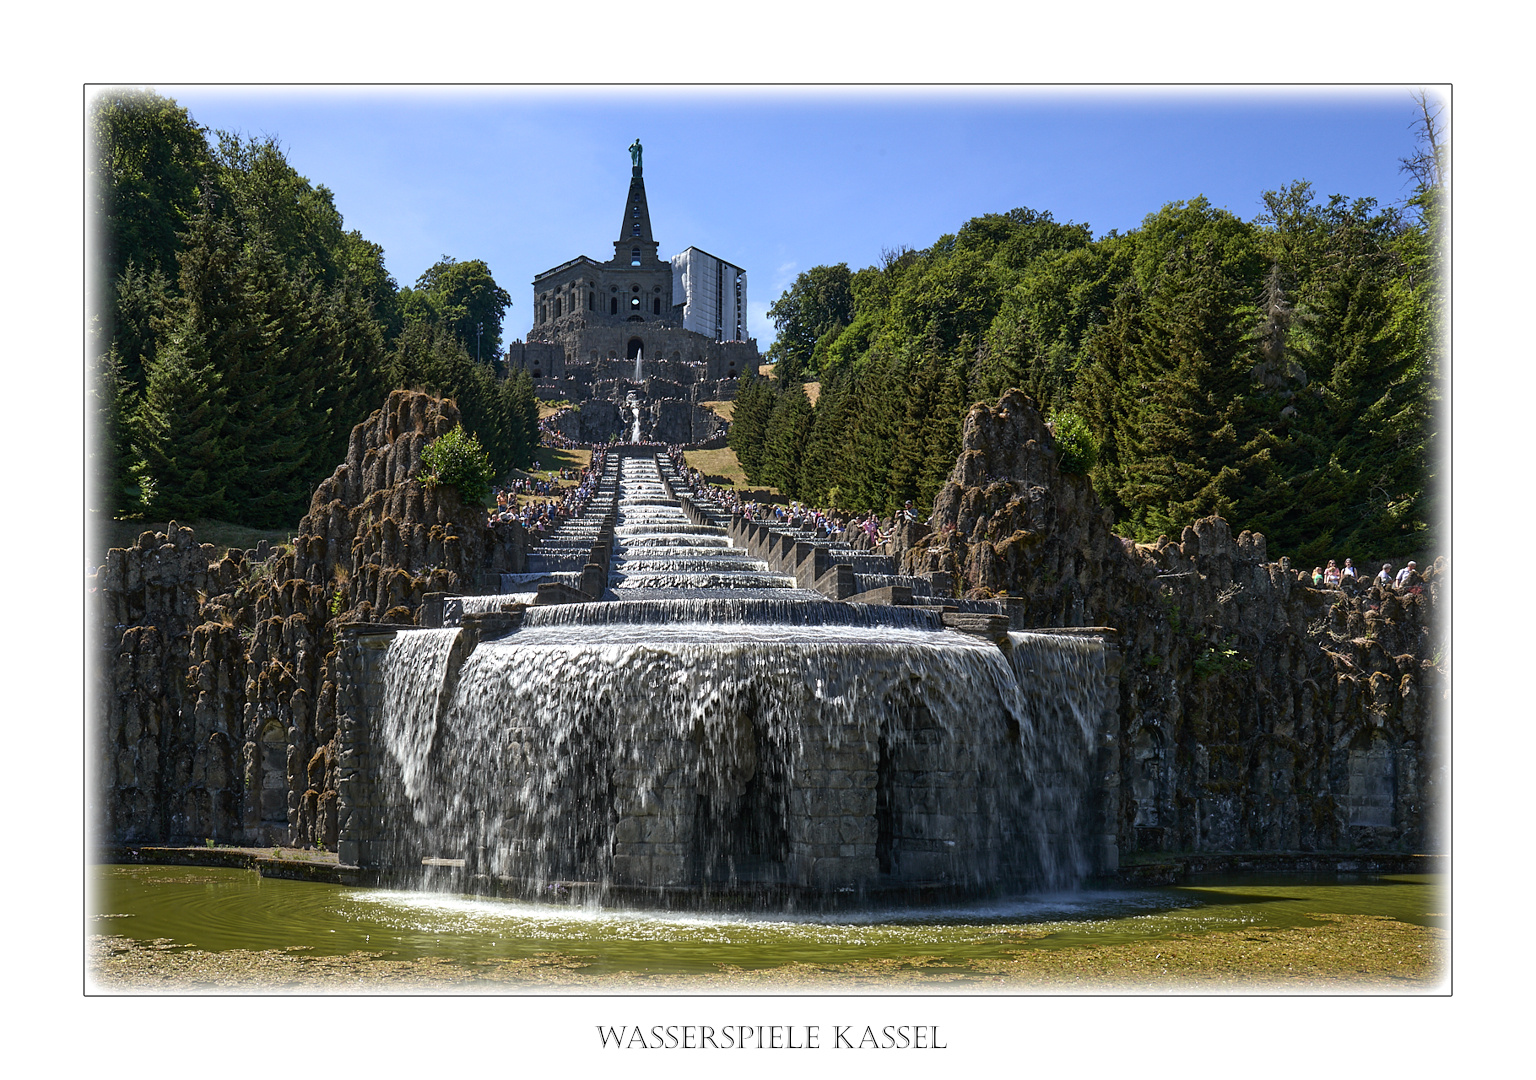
(638,324)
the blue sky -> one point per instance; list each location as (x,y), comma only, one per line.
(779,180)
(782,180)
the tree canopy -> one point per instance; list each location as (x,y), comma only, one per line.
(1283,372)
(241,330)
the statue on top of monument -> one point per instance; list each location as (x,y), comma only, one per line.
(634,152)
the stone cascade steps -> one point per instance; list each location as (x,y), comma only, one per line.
(660,547)
(832,568)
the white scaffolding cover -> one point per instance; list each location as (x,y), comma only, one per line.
(714,294)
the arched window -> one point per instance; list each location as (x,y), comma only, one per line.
(656,306)
(591,301)
(634,253)
(557,307)
(613,306)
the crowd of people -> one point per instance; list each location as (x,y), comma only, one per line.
(548,505)
(1334,576)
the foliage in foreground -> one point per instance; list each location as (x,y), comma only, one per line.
(457,459)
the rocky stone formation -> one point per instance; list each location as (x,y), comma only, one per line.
(218,677)
(674,420)
(1256,712)
(167,757)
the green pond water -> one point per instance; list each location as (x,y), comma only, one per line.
(217,909)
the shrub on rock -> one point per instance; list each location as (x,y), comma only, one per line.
(457,459)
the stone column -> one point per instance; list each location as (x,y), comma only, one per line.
(359,702)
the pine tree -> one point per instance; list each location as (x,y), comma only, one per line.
(826,450)
(880,392)
(920,377)
(784,440)
(942,439)
(1180,447)
(179,434)
(749,424)
(114,486)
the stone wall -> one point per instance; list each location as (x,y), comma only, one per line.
(217,682)
(1256,712)
(674,421)
(583,347)
(167,749)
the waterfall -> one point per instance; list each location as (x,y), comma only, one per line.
(574,760)
(699,754)
(719,736)
(414,670)
(1067,679)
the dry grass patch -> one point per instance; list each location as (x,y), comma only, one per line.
(554,457)
(719,463)
(1340,953)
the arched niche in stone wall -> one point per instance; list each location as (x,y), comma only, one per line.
(1371,795)
(1148,776)
(274,774)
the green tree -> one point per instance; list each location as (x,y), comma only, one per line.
(179,436)
(755,400)
(1181,442)
(825,463)
(464,298)
(784,440)
(114,486)
(457,459)
(809,314)
(501,412)
(148,158)
(878,386)
(298,221)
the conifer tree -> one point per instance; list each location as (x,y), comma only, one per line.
(749,424)
(1180,446)
(879,390)
(179,434)
(920,377)
(942,440)
(826,463)
(784,440)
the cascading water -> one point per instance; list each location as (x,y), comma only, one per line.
(1067,680)
(415,671)
(632,402)
(729,733)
